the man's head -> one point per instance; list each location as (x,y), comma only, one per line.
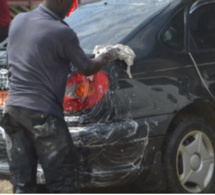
(60,7)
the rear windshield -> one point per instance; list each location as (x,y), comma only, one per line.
(108,22)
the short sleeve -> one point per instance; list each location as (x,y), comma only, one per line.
(74,53)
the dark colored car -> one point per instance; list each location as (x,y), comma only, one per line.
(158,126)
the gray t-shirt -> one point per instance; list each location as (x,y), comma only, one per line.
(40,49)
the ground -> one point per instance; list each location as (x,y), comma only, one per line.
(5,187)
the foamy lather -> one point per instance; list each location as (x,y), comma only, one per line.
(125,53)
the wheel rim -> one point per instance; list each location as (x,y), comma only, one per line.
(195,161)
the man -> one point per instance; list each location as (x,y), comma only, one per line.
(40,49)
(4,20)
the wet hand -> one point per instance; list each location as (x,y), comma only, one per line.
(107,54)
(110,54)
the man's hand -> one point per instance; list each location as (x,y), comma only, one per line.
(108,55)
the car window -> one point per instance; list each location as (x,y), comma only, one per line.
(173,36)
(109,22)
(202,28)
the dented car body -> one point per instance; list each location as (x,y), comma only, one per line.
(126,136)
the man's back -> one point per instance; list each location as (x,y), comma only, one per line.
(39,55)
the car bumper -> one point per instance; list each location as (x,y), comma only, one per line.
(110,154)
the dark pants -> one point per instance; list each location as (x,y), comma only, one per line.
(3,33)
(33,136)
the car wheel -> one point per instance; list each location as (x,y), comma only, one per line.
(189,157)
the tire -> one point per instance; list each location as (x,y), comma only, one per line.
(189,157)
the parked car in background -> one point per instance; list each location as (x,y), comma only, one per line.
(157,127)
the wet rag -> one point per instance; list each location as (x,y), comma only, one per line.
(125,53)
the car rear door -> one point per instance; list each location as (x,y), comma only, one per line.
(202,41)
(163,65)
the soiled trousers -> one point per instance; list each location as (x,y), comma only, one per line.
(33,136)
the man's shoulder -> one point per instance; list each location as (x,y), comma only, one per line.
(20,17)
(64,30)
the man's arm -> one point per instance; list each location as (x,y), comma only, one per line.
(72,51)
(100,61)
(95,66)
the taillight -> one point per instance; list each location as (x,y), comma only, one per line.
(84,92)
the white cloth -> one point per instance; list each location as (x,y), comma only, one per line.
(125,53)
